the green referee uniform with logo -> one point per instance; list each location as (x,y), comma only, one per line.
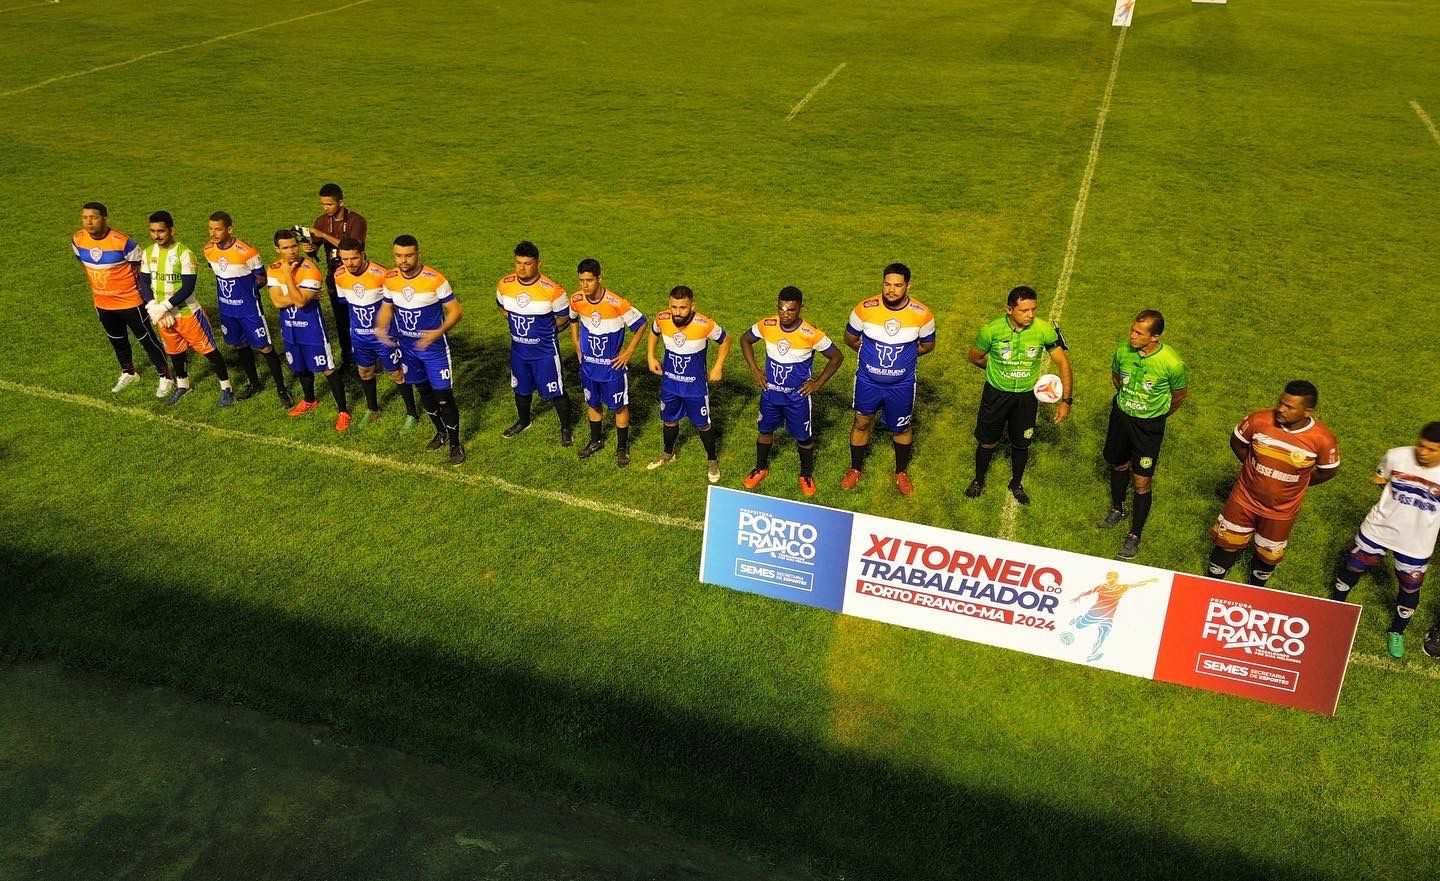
(1011,349)
(1150,383)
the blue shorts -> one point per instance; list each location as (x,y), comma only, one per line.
(536,375)
(607,394)
(245,330)
(308,358)
(894,403)
(370,352)
(697,410)
(430,365)
(791,408)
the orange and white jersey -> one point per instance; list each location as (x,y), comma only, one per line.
(1281,461)
(418,301)
(365,288)
(235,284)
(307,276)
(890,338)
(110,267)
(789,354)
(532,309)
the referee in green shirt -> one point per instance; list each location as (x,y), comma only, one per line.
(1010,350)
(1150,384)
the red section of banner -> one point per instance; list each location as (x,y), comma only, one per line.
(1269,645)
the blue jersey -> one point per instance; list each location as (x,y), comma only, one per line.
(684,370)
(299,325)
(418,302)
(890,339)
(602,333)
(237,289)
(532,308)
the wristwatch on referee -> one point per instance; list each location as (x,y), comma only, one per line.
(1070,400)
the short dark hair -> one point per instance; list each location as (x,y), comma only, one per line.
(223,217)
(897,269)
(162,217)
(282,234)
(791,294)
(1431,432)
(350,243)
(681,292)
(332,191)
(590,265)
(406,241)
(527,249)
(96,206)
(1303,388)
(1154,318)
(1024,292)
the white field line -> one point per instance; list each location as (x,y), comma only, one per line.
(1425,118)
(29,6)
(818,86)
(1390,665)
(159,52)
(1072,244)
(370,460)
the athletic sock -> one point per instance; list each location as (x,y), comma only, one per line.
(217,363)
(337,390)
(372,393)
(762,455)
(562,410)
(1119,483)
(522,409)
(1260,572)
(707,439)
(1220,562)
(450,416)
(1406,602)
(1345,580)
(902,456)
(432,407)
(857,457)
(622,437)
(181,369)
(1142,513)
(596,432)
(407,394)
(807,461)
(982,462)
(247,364)
(277,375)
(1018,460)
(670,433)
(307,386)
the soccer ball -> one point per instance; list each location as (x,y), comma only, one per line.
(1049,388)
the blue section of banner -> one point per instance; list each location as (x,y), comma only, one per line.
(777,548)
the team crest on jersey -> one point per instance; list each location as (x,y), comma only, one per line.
(782,373)
(522,324)
(783,346)
(595,320)
(680,362)
(1032,352)
(1005,351)
(409,320)
(679,338)
(887,355)
(366,316)
(358,288)
(523,300)
(892,326)
(1029,433)
(408,292)
(1146,461)
(1298,459)
(597,346)
(223,262)
(96,254)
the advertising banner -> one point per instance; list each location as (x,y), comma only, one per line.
(1253,642)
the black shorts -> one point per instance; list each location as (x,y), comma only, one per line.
(1135,440)
(1006,410)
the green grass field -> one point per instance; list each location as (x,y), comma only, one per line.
(1263,179)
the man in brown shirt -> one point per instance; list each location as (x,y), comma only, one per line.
(336,223)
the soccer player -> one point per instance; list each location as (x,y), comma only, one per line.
(1010,350)
(537,309)
(684,382)
(421,305)
(362,284)
(1282,451)
(335,222)
(598,319)
(1150,384)
(168,271)
(239,276)
(295,285)
(112,266)
(1102,612)
(1403,523)
(890,332)
(788,382)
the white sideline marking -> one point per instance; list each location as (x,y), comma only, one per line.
(1425,118)
(29,5)
(359,458)
(811,94)
(1390,665)
(1072,244)
(158,52)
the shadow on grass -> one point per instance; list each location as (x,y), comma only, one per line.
(842,814)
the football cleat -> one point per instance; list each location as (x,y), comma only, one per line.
(303,407)
(1130,547)
(851,478)
(125,381)
(166,386)
(1431,645)
(1396,643)
(342,421)
(248,392)
(807,486)
(514,429)
(287,400)
(457,455)
(712,471)
(902,483)
(566,437)
(175,396)
(227,397)
(590,449)
(1113,517)
(662,459)
(974,490)
(755,477)
(1019,493)
(622,457)
(437,441)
